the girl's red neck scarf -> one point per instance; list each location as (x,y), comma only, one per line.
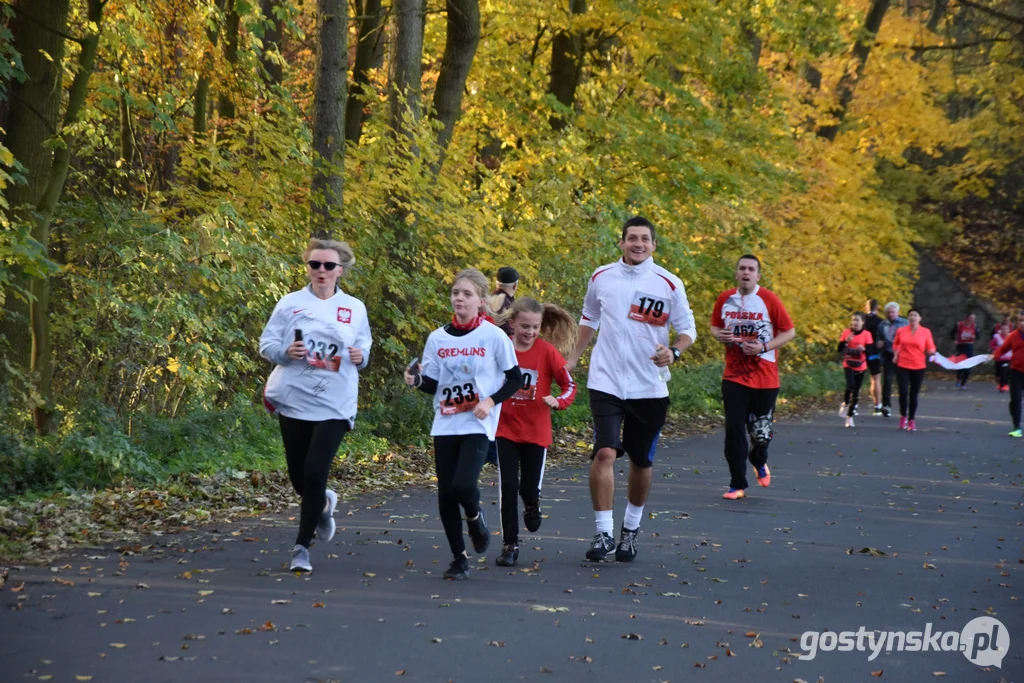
(472,324)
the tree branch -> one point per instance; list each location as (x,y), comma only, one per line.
(66,36)
(954,46)
(993,12)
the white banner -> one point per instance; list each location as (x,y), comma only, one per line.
(959,362)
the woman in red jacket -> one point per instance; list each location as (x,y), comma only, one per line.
(524,430)
(911,347)
(1015,342)
(854,344)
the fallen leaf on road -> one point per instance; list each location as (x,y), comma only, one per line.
(318,604)
(929,566)
(95,595)
(400,672)
(205,593)
(118,646)
(83,678)
(435,640)
(280,602)
(877,674)
(632,636)
(56,579)
(938,673)
(700,665)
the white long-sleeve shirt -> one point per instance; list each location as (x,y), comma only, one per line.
(325,384)
(633,307)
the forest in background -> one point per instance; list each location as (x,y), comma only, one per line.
(164,161)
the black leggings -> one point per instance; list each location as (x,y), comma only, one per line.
(888,372)
(458,460)
(853,381)
(512,456)
(910,386)
(309,448)
(1016,389)
(964,350)
(747,410)
(1003,373)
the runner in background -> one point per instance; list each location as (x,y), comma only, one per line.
(319,339)
(501,300)
(752,322)
(965,333)
(854,344)
(633,301)
(469,366)
(886,333)
(912,347)
(999,336)
(1014,344)
(874,355)
(524,430)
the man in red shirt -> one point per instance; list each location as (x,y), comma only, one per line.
(752,322)
(965,333)
(1015,342)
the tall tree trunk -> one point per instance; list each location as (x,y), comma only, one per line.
(169,155)
(938,11)
(406,63)
(272,34)
(329,115)
(200,99)
(861,51)
(566,64)
(459,50)
(225,104)
(34,109)
(371,30)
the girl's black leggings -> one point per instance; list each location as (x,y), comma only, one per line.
(458,460)
(854,380)
(513,458)
(309,448)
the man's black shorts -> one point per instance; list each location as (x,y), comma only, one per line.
(874,365)
(631,426)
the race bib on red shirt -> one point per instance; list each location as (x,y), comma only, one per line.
(528,390)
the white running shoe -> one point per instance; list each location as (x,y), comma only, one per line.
(326,526)
(300,560)
(842,410)
(849,422)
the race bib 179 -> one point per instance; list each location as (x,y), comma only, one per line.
(649,309)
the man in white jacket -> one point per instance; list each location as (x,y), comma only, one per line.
(634,302)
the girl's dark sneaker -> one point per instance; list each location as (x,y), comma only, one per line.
(509,556)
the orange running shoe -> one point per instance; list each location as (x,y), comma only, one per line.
(734,494)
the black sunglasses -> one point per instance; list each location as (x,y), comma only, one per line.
(328,265)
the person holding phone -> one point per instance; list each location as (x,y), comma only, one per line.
(319,339)
(469,366)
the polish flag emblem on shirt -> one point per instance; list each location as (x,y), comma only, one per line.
(344,315)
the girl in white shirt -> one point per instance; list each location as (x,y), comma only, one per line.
(319,339)
(470,367)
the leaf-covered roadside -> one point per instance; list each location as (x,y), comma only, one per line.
(36,529)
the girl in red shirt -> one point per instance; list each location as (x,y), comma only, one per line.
(911,347)
(524,430)
(853,344)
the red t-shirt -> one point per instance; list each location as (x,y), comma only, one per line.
(855,356)
(914,347)
(1015,343)
(966,334)
(525,418)
(757,316)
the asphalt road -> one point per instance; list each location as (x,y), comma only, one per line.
(721,590)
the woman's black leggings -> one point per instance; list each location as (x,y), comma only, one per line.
(1016,391)
(910,386)
(853,381)
(512,456)
(458,460)
(309,448)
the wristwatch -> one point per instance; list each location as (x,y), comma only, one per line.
(675,353)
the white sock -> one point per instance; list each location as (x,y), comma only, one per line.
(604,521)
(633,516)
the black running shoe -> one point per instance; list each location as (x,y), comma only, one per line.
(458,569)
(479,533)
(508,557)
(601,547)
(626,552)
(531,517)
(886,411)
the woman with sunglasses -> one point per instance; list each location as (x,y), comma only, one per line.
(470,367)
(319,339)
